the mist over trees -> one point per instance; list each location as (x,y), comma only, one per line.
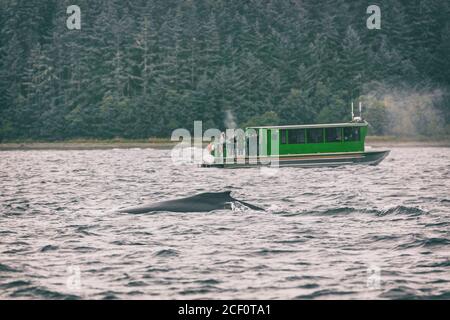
(143,68)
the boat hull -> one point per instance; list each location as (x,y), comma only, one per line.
(310,160)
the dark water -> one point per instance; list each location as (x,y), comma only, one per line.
(348,233)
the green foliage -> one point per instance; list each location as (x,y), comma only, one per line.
(143,68)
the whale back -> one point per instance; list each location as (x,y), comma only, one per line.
(212,196)
(203,202)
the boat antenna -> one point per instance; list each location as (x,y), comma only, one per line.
(360,110)
(353,114)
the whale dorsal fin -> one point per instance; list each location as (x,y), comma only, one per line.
(214,195)
(227,194)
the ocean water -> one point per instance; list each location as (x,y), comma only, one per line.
(354,232)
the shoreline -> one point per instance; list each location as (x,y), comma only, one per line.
(372,141)
(93,145)
(387,141)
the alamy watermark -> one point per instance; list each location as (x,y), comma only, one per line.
(374,21)
(73,22)
(373,277)
(73,281)
(251,147)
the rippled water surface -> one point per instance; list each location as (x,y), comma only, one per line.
(353,232)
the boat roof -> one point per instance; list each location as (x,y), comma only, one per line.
(310,126)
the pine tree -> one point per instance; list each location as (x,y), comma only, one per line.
(352,64)
(40,92)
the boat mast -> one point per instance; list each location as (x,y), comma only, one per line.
(360,110)
(357,119)
(353,114)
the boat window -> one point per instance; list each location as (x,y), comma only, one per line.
(352,134)
(296,136)
(333,134)
(315,135)
(283,136)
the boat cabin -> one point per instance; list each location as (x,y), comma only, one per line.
(310,139)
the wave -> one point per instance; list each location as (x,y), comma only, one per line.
(331,211)
(167,253)
(400,293)
(442,264)
(5,268)
(407,293)
(49,247)
(308,286)
(136,283)
(343,210)
(437,224)
(426,243)
(441,296)
(431,242)
(323,293)
(264,252)
(14,284)
(42,293)
(397,210)
(208,281)
(127,243)
(202,290)
(402,210)
(389,237)
(109,295)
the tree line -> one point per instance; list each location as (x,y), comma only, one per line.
(142,68)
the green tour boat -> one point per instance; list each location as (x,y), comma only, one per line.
(295,145)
